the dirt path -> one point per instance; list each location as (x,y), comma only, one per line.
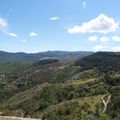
(15,118)
(105,102)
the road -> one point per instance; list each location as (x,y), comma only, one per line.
(15,118)
(105,102)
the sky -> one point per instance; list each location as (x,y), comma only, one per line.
(67,25)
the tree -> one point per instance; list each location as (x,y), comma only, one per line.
(104,117)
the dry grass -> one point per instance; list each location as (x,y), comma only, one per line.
(15,118)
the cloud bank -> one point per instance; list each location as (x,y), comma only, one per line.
(101,24)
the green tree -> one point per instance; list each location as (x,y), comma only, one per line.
(104,117)
(84,116)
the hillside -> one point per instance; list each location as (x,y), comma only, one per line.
(55,89)
(104,61)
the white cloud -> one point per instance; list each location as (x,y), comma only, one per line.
(4,28)
(3,25)
(33,34)
(93,38)
(84,4)
(24,41)
(104,39)
(99,47)
(106,48)
(13,34)
(54,18)
(116,49)
(101,24)
(116,38)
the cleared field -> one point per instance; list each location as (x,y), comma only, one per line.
(92,101)
(83,81)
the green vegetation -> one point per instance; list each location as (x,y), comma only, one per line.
(61,89)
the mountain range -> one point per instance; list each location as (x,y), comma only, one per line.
(20,56)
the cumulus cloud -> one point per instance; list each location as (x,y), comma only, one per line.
(3,25)
(99,48)
(13,34)
(106,48)
(116,38)
(104,39)
(33,34)
(93,38)
(101,24)
(54,18)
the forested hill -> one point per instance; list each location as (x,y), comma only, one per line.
(104,61)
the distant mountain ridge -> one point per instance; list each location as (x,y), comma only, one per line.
(20,56)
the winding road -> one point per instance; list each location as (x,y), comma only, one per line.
(15,118)
(105,102)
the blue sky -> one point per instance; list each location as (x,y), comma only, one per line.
(69,25)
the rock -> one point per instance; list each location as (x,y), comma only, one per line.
(1,113)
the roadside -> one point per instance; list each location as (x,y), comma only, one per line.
(15,118)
